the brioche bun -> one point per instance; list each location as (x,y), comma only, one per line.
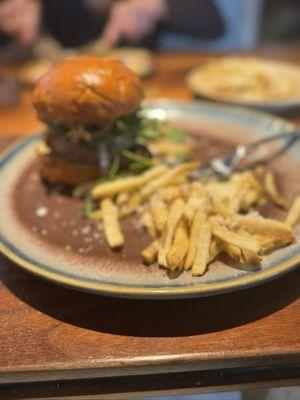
(87,90)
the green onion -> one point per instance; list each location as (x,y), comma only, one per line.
(88,206)
(170,132)
(112,173)
(262,202)
(136,157)
(139,163)
(136,168)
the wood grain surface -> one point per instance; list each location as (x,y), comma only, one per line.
(55,342)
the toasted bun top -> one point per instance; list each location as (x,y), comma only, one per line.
(87,90)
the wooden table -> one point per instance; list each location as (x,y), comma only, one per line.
(55,342)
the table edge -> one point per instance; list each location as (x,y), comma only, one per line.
(160,365)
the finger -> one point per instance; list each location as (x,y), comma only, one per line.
(113,29)
(9,9)
(124,21)
(27,35)
(111,34)
(136,27)
(142,27)
(10,25)
(29,26)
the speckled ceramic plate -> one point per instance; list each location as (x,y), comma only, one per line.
(45,234)
(289,106)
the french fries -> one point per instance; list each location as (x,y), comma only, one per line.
(264,226)
(192,223)
(220,209)
(148,223)
(202,252)
(122,198)
(159,213)
(192,205)
(111,224)
(149,254)
(251,259)
(198,221)
(174,217)
(110,189)
(233,252)
(272,190)
(169,193)
(269,233)
(130,207)
(167,178)
(179,248)
(215,249)
(294,213)
(169,150)
(236,239)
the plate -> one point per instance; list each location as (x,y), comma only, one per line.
(201,81)
(45,234)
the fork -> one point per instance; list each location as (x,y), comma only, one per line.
(249,155)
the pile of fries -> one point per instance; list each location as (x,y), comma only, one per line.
(192,221)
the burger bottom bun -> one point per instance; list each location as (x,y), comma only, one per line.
(55,170)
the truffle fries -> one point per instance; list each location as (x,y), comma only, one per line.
(192,222)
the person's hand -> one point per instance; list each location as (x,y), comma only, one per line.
(21,19)
(132,20)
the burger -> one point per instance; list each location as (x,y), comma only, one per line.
(91,108)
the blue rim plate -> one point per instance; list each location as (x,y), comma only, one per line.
(125,278)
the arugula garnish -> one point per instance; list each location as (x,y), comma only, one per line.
(126,142)
(115,166)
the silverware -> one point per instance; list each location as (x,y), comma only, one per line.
(249,155)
